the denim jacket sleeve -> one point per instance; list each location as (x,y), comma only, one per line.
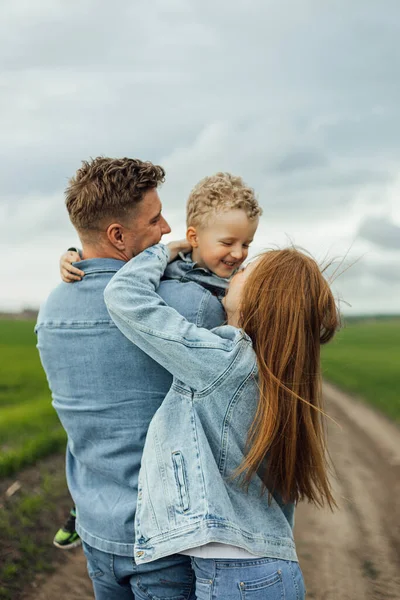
(196,356)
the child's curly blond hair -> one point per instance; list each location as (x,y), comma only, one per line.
(220,192)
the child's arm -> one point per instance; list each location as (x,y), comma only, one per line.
(68,272)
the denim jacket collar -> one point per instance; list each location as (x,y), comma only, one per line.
(99,265)
(187,258)
(185,269)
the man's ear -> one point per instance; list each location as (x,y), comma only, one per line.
(115,235)
(191,236)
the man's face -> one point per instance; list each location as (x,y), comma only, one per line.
(146,225)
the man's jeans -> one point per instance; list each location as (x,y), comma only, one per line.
(246,579)
(119,578)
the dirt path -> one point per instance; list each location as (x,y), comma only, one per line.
(353,554)
(69,582)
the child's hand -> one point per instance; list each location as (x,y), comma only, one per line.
(178,246)
(68,272)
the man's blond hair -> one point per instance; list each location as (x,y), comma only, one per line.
(220,192)
(109,187)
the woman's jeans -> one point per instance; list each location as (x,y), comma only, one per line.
(246,579)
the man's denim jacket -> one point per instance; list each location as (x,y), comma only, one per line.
(105,391)
(187,493)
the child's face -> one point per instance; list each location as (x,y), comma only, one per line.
(223,244)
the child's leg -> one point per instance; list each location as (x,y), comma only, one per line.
(66,537)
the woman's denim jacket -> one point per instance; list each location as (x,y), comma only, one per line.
(188,495)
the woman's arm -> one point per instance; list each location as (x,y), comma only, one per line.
(194,355)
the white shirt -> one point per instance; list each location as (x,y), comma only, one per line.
(217,550)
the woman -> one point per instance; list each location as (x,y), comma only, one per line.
(238,440)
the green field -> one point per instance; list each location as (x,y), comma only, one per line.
(364,359)
(29,426)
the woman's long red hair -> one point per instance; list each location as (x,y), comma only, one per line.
(288,310)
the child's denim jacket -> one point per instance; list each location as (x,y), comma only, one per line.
(184,269)
(187,493)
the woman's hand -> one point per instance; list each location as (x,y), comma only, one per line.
(68,272)
(178,246)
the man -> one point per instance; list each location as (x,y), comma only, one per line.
(105,390)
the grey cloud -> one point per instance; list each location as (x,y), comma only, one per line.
(28,219)
(372,133)
(331,178)
(144,81)
(369,284)
(363,267)
(299,160)
(301,99)
(382,232)
(387,272)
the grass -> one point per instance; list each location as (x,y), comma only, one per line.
(29,431)
(28,521)
(21,376)
(364,359)
(29,426)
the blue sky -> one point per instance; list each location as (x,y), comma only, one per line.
(300,98)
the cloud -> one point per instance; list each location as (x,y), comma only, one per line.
(358,280)
(299,160)
(381,231)
(292,96)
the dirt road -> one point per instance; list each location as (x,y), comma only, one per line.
(353,554)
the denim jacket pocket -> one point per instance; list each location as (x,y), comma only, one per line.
(181,480)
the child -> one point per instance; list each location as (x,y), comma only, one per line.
(222,216)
